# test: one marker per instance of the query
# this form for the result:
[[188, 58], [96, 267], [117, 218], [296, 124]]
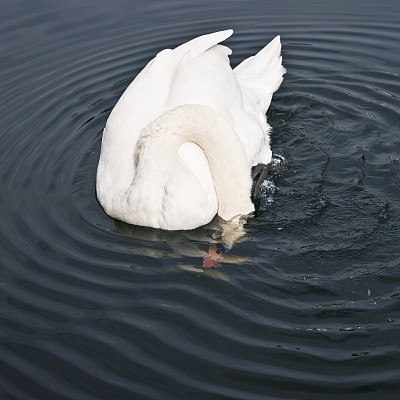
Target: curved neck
[[212, 132]]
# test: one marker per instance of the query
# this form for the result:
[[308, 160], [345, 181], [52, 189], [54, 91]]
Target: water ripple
[[308, 295]]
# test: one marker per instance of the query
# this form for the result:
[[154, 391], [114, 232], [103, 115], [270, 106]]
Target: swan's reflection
[[211, 244]]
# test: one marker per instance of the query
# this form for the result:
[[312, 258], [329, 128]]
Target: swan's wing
[[203, 75], [260, 76], [161, 85], [146, 97]]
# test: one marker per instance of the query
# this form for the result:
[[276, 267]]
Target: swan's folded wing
[[260, 76]]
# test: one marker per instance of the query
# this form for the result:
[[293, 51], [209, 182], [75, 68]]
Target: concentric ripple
[[301, 303]]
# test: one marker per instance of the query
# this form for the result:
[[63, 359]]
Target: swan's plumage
[[197, 72]]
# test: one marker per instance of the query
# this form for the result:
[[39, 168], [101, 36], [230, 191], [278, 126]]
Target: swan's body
[[179, 145]]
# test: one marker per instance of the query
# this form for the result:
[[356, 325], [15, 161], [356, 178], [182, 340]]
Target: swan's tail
[[260, 76]]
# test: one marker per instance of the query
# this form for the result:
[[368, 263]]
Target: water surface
[[305, 305]]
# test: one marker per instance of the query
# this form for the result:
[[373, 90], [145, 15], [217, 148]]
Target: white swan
[[179, 145]]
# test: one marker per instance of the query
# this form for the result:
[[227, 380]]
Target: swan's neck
[[207, 128]]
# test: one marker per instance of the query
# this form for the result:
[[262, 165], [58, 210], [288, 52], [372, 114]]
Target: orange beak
[[215, 254]]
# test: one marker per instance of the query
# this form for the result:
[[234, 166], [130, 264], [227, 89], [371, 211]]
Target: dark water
[[306, 305]]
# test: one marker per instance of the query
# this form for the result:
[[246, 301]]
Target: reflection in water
[[212, 244]]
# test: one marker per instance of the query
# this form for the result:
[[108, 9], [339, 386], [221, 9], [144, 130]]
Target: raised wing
[[260, 76]]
